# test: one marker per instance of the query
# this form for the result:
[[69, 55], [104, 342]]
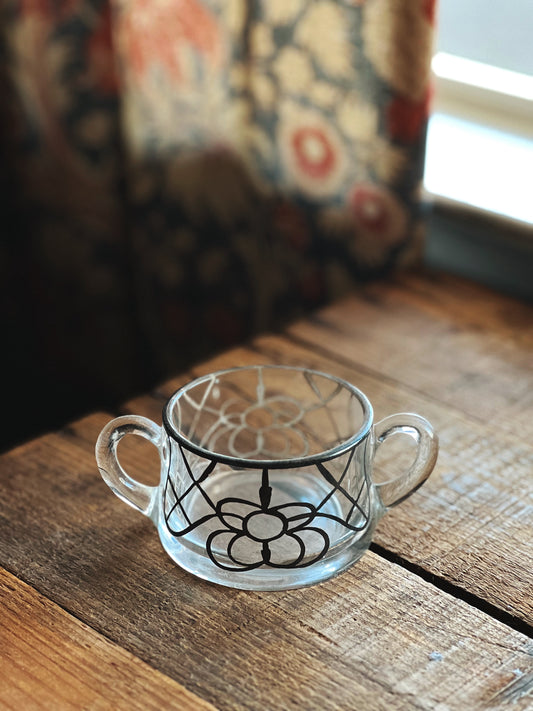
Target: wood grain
[[446, 338], [50, 660], [377, 637]]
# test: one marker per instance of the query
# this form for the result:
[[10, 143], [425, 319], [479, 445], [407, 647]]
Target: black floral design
[[261, 534], [259, 521], [256, 533]]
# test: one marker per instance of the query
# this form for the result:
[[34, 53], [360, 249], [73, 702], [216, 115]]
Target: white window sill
[[479, 153]]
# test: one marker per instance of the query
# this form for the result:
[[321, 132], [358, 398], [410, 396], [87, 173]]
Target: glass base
[[286, 535]]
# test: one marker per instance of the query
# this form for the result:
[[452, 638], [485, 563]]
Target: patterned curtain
[[184, 173]]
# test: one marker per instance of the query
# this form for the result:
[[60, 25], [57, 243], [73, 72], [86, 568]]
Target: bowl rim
[[249, 463]]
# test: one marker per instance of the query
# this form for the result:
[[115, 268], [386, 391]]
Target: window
[[480, 138], [497, 33]]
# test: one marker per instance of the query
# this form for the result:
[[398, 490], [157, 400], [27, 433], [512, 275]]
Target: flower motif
[[378, 214], [372, 224], [163, 34], [260, 431], [257, 534], [312, 151]]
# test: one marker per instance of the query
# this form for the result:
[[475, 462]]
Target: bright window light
[[484, 76], [480, 166]]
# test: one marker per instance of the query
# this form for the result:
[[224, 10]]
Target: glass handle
[[396, 490], [140, 496]]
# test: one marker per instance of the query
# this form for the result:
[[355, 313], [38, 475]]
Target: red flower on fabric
[[378, 214], [312, 150], [154, 33], [406, 118], [369, 209], [314, 153]]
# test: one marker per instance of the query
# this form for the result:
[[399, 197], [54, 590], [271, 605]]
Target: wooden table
[[437, 615]]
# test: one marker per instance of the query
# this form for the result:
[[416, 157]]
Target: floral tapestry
[[191, 172]]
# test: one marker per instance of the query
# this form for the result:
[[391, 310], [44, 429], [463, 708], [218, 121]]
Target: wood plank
[[462, 344], [471, 524], [50, 660], [467, 303], [377, 637]]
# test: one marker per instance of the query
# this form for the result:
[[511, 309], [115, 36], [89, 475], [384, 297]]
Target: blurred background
[[177, 175]]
